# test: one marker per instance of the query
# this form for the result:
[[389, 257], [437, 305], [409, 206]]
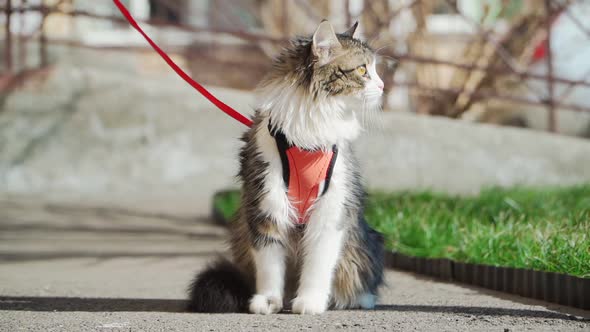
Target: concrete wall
[[108, 128], [410, 152]]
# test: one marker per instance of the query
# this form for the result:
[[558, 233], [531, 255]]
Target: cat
[[299, 241]]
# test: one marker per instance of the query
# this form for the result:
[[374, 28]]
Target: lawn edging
[[546, 286], [551, 287]]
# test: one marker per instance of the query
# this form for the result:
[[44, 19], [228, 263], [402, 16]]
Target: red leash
[[221, 105]]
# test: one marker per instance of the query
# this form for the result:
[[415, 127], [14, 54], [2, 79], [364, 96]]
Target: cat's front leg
[[319, 262], [322, 243], [269, 225], [269, 260]]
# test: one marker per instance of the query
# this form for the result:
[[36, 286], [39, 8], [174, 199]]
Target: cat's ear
[[350, 32], [325, 44]]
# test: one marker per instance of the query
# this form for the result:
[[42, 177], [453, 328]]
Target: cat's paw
[[310, 304], [262, 304]]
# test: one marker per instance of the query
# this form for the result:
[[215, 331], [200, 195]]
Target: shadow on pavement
[[35, 256], [18, 303], [479, 311], [117, 230], [107, 212], [22, 303]]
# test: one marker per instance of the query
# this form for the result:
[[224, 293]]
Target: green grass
[[227, 203], [542, 229]]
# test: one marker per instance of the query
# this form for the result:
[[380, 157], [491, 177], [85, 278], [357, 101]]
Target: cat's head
[[328, 65], [317, 84], [343, 65]]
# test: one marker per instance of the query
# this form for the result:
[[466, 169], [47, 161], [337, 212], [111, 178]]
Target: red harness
[[306, 173]]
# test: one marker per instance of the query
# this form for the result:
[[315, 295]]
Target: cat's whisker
[[393, 61], [364, 111], [376, 37], [382, 47]]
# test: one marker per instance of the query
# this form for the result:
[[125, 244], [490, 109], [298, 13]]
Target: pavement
[[71, 266]]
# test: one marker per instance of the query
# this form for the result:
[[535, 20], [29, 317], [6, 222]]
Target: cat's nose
[[380, 85]]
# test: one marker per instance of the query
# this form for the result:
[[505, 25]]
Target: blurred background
[[109, 161], [89, 111]]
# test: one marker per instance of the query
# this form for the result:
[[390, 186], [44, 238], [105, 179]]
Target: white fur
[[307, 123], [375, 83], [373, 87], [270, 279], [265, 305]]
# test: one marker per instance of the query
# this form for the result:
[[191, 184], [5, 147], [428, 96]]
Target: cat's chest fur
[[278, 200]]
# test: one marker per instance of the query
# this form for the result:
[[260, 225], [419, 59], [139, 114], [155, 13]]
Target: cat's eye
[[362, 70]]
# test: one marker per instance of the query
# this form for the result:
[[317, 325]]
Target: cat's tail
[[221, 287]]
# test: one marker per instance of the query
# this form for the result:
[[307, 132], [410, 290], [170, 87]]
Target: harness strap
[[221, 105]]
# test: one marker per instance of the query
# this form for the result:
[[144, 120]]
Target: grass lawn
[[542, 229]]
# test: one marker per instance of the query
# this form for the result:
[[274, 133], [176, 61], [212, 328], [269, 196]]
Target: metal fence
[[489, 57]]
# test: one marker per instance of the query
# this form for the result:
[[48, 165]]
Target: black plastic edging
[[546, 286]]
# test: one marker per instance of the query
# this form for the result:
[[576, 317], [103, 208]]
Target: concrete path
[[73, 267]]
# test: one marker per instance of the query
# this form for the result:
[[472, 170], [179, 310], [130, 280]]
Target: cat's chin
[[362, 102], [365, 109]]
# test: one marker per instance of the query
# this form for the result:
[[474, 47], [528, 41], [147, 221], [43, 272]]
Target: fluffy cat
[[325, 256]]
